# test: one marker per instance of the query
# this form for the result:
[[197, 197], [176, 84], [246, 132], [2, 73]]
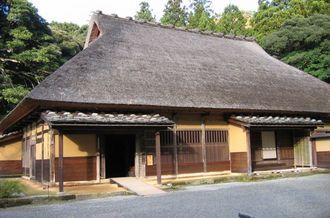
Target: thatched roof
[[136, 63], [142, 65]]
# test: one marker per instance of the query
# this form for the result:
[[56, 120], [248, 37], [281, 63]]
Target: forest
[[296, 32]]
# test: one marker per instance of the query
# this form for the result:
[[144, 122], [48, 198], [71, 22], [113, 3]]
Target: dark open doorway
[[120, 155]]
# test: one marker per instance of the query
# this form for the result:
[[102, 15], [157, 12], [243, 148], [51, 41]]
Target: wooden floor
[[137, 186]]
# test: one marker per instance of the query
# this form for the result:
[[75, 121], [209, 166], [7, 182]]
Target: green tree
[[201, 15], [144, 13], [272, 14], [232, 21], [304, 43], [174, 13], [30, 50], [69, 37]]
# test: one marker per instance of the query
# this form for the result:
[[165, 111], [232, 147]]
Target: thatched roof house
[[142, 64], [211, 91]]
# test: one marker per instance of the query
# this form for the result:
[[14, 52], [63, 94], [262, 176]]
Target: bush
[[10, 188]]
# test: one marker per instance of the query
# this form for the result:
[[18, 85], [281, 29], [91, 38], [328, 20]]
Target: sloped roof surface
[[141, 64]]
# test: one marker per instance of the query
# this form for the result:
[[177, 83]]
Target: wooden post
[[248, 142], [60, 162], [30, 152], [203, 144], [42, 153], [158, 159], [175, 147], [314, 154], [98, 164], [52, 156]]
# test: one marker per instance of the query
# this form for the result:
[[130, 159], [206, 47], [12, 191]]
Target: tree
[[272, 14], [201, 15], [304, 43], [144, 13], [232, 21], [29, 51], [69, 37], [174, 13]]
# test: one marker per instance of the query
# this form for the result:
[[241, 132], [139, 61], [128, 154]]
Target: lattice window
[[216, 136]]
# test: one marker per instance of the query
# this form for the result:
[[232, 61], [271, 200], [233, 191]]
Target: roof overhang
[[10, 136], [275, 121], [80, 119]]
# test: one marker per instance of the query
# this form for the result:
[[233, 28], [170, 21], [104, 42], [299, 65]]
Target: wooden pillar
[[203, 144], [98, 160], [175, 147], [60, 162], [137, 159], [314, 154], [30, 151], [158, 159], [42, 153], [52, 156], [248, 143]]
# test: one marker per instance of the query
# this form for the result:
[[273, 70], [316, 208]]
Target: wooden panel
[[46, 169], [216, 153], [238, 162], [272, 165], [77, 168], [190, 167], [38, 170], [10, 167], [286, 153], [45, 173], [218, 166], [323, 159], [167, 169]]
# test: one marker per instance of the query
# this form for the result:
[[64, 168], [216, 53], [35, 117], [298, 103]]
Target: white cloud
[[79, 11]]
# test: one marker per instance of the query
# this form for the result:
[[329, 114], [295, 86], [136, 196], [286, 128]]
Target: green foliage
[[144, 13], [201, 15], [69, 37], [272, 14], [10, 188], [174, 13], [304, 43], [232, 21], [30, 49]]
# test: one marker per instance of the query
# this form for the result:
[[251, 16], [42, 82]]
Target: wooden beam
[[158, 159], [203, 144], [314, 153], [52, 157], [98, 165], [175, 147], [60, 162], [42, 154], [248, 142]]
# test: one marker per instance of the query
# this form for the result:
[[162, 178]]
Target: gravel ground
[[292, 197]]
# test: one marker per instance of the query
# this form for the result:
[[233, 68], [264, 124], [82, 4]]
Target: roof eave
[[24, 108]]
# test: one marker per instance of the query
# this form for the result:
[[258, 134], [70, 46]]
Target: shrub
[[9, 188]]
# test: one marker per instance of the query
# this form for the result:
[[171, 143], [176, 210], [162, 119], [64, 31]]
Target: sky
[[79, 11]]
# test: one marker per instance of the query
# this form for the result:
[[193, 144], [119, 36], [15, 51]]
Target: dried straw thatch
[[137, 63]]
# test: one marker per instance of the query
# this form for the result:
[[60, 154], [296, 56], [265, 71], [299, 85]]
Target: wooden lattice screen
[[189, 151]]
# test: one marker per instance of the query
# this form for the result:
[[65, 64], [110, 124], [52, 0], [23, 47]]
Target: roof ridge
[[184, 29]]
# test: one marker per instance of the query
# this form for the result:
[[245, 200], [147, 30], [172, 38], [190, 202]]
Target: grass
[[177, 185], [10, 188], [18, 187]]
